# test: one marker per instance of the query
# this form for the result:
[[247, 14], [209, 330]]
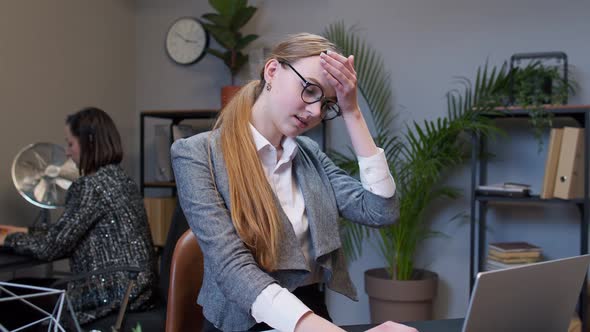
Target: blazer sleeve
[[354, 202], [59, 239], [230, 263]]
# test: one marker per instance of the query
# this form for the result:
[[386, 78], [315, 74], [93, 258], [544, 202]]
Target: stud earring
[[268, 87]]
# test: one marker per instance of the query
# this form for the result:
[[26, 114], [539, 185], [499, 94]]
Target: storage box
[[159, 213]]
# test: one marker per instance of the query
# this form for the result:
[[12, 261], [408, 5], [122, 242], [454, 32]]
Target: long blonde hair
[[254, 211]]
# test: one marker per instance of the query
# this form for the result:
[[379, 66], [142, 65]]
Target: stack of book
[[503, 255]]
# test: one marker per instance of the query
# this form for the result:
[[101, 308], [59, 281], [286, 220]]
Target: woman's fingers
[[340, 74], [12, 229], [336, 80], [339, 67], [333, 81], [345, 80], [342, 59]]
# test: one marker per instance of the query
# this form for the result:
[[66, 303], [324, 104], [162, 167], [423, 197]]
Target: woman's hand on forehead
[[341, 75]]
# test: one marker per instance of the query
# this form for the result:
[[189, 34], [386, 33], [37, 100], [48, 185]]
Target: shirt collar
[[262, 144]]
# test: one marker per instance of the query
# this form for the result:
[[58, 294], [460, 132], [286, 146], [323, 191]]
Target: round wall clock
[[186, 41]]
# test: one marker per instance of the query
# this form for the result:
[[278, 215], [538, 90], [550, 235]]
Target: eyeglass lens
[[312, 93], [330, 110]]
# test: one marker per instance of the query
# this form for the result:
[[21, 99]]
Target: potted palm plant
[[418, 158], [225, 26]]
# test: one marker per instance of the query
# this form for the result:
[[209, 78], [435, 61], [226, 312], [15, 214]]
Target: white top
[[275, 305]]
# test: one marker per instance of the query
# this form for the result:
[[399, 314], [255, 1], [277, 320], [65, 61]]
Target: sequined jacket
[[104, 225]]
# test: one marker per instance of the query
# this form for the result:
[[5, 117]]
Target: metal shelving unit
[[481, 203]]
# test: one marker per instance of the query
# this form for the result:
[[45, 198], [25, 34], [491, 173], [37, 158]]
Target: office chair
[[186, 277]]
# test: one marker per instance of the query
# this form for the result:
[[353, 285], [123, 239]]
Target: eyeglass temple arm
[[295, 71]]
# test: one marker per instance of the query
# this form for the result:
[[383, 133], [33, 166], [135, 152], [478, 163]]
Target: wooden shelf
[[160, 184], [535, 199], [557, 109], [181, 114]]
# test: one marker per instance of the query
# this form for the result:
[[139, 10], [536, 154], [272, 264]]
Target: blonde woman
[[264, 202]]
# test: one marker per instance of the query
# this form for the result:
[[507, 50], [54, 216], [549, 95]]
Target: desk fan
[[42, 174]]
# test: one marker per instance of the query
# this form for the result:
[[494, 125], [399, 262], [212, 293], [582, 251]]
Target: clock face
[[186, 41]]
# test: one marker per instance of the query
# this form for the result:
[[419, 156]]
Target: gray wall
[[55, 58], [425, 44]]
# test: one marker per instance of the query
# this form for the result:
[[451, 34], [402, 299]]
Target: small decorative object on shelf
[[509, 189], [537, 79]]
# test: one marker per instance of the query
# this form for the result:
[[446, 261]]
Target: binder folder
[[554, 148], [569, 181]]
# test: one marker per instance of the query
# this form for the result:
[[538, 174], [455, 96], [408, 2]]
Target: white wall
[[425, 44]]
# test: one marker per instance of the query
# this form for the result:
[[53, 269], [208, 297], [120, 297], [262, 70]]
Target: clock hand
[[181, 36], [185, 39]]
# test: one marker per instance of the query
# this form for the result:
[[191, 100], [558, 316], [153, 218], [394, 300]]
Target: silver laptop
[[536, 297]]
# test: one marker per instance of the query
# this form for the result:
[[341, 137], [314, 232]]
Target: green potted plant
[[225, 26], [535, 85], [418, 158]]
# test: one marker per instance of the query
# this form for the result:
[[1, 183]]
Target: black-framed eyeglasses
[[313, 93]]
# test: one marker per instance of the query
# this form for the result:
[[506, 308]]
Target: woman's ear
[[270, 69]]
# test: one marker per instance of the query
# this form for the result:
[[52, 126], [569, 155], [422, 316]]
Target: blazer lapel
[[320, 205]]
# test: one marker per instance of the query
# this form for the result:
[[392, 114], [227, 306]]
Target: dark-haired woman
[[103, 229]]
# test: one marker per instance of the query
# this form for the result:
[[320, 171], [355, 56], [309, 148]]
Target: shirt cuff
[[375, 175], [278, 308]]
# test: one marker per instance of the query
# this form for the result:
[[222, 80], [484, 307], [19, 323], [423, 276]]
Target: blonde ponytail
[[253, 209]]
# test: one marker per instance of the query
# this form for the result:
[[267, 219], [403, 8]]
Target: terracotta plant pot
[[400, 300], [227, 92]]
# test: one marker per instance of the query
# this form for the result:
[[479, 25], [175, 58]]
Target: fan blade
[[40, 190], [63, 183], [68, 170], [40, 160], [29, 182], [30, 167]]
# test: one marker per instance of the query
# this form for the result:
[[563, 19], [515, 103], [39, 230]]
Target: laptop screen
[[534, 297]]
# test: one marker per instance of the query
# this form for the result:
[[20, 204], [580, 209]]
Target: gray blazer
[[232, 279]]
